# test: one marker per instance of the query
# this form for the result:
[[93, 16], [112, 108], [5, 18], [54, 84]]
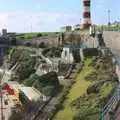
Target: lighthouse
[[86, 14]]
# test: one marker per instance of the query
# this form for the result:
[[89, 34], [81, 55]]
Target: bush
[[92, 76], [27, 44], [42, 45], [25, 65], [52, 51], [22, 37], [30, 81], [39, 34], [95, 88], [48, 90], [92, 89]]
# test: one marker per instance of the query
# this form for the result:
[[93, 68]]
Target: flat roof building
[[31, 93]]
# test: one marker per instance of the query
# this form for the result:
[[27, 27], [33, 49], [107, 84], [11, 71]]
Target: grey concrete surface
[[112, 39]]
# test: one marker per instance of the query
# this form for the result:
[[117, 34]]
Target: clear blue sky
[[49, 15]]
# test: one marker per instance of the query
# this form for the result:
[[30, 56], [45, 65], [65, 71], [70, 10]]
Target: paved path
[[112, 39]]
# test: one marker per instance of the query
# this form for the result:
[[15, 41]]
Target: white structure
[[77, 27], [33, 94], [67, 56], [66, 29], [81, 54]]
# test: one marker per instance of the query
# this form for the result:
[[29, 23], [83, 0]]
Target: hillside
[[35, 35], [91, 89]]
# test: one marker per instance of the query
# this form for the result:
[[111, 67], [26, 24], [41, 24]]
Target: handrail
[[112, 102]]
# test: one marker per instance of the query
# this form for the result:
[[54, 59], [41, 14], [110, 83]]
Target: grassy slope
[[34, 34], [78, 89]]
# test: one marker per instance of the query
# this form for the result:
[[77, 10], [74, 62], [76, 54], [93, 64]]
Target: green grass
[[106, 89], [77, 90], [34, 35]]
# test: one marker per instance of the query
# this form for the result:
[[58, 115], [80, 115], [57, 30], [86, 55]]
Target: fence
[[111, 104], [108, 28], [108, 110]]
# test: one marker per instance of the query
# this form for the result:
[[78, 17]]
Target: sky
[[50, 15]]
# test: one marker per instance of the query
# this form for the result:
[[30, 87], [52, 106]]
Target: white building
[[31, 94], [77, 27], [67, 56], [66, 29]]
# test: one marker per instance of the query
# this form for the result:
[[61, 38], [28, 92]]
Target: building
[[4, 32], [10, 101], [30, 94], [77, 27], [66, 29], [11, 34], [86, 14], [67, 56]]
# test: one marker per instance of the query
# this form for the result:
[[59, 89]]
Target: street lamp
[[109, 17]]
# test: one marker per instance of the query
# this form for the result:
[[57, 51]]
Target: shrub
[[92, 76], [94, 88], [42, 45], [27, 44], [52, 51], [39, 34]]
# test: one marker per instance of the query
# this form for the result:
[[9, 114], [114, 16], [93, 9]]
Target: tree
[[30, 81], [42, 45], [39, 34], [48, 90]]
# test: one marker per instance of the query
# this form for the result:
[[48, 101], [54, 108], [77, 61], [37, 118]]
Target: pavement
[[112, 39]]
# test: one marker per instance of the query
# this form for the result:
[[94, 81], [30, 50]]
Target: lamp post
[[109, 23]]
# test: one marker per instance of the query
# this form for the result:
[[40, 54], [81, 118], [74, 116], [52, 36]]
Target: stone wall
[[50, 40]]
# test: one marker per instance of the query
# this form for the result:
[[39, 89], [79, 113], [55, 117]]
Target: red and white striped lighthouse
[[86, 14]]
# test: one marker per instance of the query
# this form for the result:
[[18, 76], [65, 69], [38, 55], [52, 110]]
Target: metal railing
[[111, 104]]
